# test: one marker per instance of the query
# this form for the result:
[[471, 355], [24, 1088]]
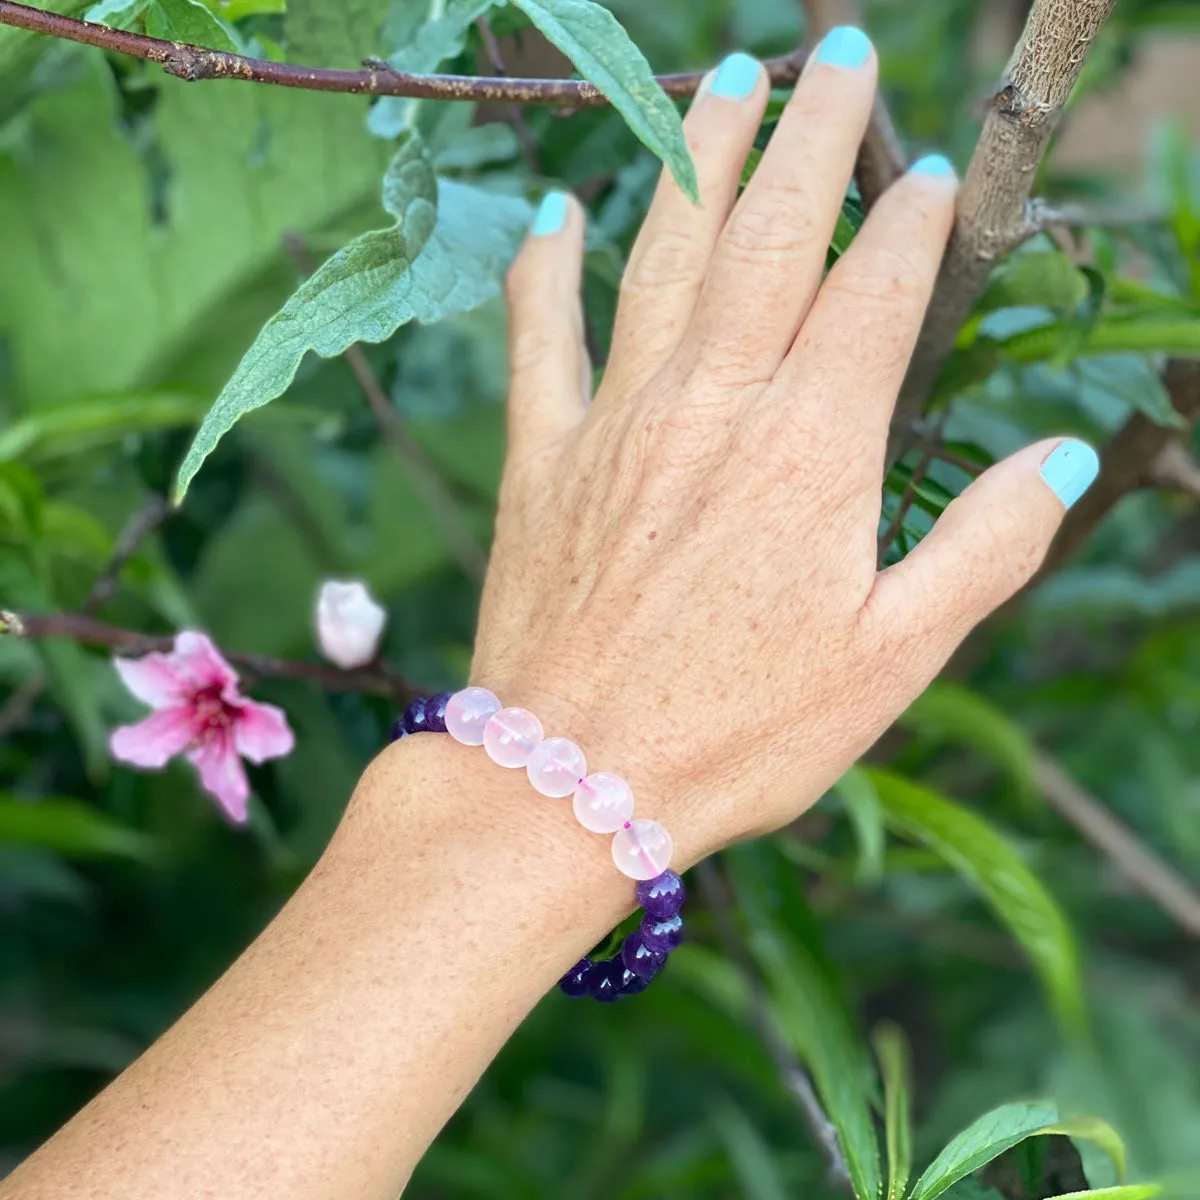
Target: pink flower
[[199, 711]]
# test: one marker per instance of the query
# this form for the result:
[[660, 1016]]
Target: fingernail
[[736, 77], [1070, 469], [844, 46], [552, 215], [933, 164]]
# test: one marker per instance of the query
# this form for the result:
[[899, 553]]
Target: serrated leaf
[[891, 1049], [71, 828], [951, 712], [191, 22], [593, 39], [1040, 278], [990, 1136], [446, 254], [987, 860]]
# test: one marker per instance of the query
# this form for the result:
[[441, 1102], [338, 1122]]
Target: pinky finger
[[548, 393]]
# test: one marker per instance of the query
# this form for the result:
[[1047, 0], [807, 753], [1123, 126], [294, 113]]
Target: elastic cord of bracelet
[[603, 803]]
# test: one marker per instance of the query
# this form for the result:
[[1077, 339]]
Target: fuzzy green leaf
[[987, 860], [593, 39], [188, 21], [446, 254]]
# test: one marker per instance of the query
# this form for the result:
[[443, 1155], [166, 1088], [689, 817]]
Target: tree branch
[[1139, 864], [1176, 470], [376, 679], [992, 203], [796, 1080], [194, 63]]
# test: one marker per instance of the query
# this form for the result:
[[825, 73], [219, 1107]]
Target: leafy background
[[933, 938]]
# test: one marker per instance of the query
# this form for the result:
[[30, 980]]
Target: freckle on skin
[[652, 535]]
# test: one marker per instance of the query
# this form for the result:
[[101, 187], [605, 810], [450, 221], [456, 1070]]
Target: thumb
[[984, 548]]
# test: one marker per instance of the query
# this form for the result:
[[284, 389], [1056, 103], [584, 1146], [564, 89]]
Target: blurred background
[[1011, 881]]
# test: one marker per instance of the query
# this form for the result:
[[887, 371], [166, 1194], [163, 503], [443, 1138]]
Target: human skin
[[683, 581]]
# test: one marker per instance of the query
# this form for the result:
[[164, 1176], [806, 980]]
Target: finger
[[770, 256], [670, 258], [865, 320], [987, 544], [547, 355]]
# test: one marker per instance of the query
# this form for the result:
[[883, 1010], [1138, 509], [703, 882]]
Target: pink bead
[[467, 712], [603, 802], [642, 849], [556, 767], [511, 735]]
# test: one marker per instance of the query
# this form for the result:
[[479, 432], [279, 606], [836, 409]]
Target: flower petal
[[162, 735], [222, 774], [153, 679], [261, 731], [201, 663]]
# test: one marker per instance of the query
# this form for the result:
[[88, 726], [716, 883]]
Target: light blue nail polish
[[736, 77], [1070, 469], [933, 164], [844, 46], [552, 215]]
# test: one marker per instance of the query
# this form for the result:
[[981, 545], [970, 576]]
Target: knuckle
[[772, 228], [887, 277], [670, 259]]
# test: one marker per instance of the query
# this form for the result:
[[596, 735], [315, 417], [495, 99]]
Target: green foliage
[[154, 234]]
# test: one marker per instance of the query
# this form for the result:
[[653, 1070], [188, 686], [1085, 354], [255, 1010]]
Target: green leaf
[[189, 21], [424, 48], [117, 14], [857, 791], [987, 860], [994, 1133], [1166, 333], [951, 712], [1129, 1191], [593, 39], [70, 828], [1100, 1133], [1039, 278], [333, 33], [891, 1049], [753, 1162], [446, 253], [807, 1006]]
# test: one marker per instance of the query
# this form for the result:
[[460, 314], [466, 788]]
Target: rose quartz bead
[[467, 712], [642, 849], [511, 735], [603, 802], [556, 767]]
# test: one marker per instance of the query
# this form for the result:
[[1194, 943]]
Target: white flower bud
[[349, 623]]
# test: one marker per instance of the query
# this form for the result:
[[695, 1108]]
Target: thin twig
[[376, 679], [1139, 864], [194, 63], [992, 202], [796, 1079], [423, 473], [513, 113], [929, 453], [1175, 468], [141, 524]]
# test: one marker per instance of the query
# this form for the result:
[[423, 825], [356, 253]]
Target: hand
[[684, 572]]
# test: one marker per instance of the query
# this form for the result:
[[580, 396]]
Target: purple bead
[[632, 983], [397, 731], [639, 958], [435, 712], [414, 716], [662, 936], [577, 981], [662, 896], [605, 978]]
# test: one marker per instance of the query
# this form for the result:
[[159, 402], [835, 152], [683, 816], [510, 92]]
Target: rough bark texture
[[992, 216]]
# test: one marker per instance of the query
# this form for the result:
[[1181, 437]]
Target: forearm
[[329, 1056]]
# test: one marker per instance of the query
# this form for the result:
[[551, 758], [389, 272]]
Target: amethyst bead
[[632, 983], [414, 719], [662, 936], [577, 981], [606, 978], [662, 896], [435, 712], [639, 958], [397, 731]]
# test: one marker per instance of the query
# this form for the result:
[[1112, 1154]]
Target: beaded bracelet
[[603, 803]]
